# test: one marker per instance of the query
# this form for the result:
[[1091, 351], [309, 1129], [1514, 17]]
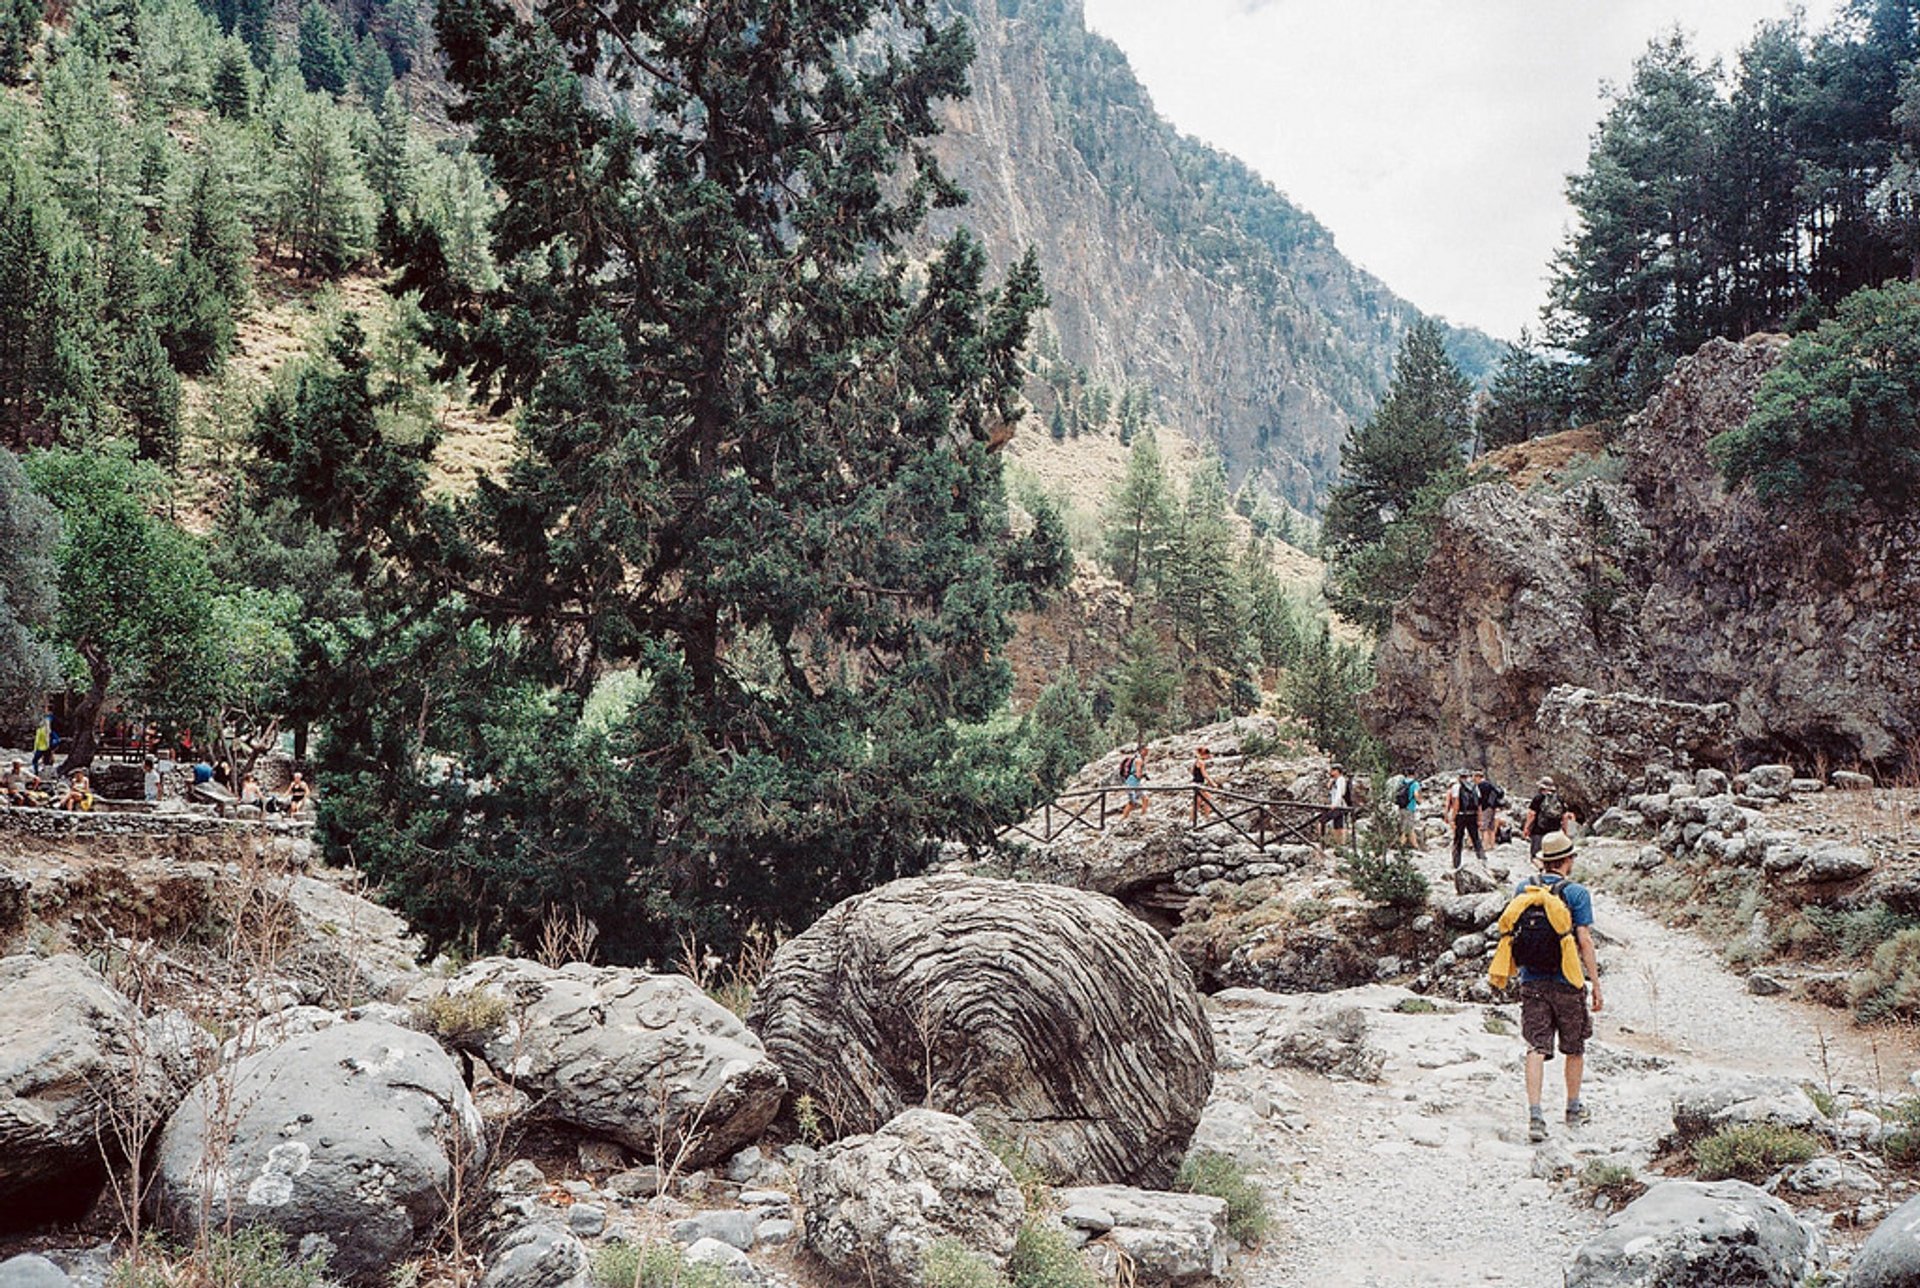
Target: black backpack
[[1492, 796], [1536, 944], [1403, 794], [1126, 768], [1552, 810]]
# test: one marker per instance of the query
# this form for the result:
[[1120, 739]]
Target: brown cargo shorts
[[1549, 1008]]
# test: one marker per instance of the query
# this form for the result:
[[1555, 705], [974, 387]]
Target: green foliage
[[1855, 933], [49, 379], [1139, 515], [1324, 688], [148, 390], [463, 1019], [1383, 876], [650, 1265], [1043, 1257], [326, 57], [1143, 685], [1617, 1181], [1752, 1151], [1225, 1177], [29, 596], [230, 88], [1833, 425], [1395, 473], [255, 1258], [1416, 1006], [322, 209], [1496, 1025], [1531, 395], [948, 1264], [1889, 987], [19, 32]]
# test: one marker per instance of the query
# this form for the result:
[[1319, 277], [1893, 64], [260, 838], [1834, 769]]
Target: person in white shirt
[[1339, 804]]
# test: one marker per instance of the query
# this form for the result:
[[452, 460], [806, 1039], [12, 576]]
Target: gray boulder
[[78, 1066], [648, 1061], [1769, 778], [538, 1256], [1471, 878], [1847, 780], [1740, 1101], [30, 1270], [1890, 1258], [1165, 1238], [350, 1141], [1045, 1015], [875, 1204], [1334, 1045], [1833, 861], [1691, 1234]]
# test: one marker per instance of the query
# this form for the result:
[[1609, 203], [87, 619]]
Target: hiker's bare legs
[[1536, 1076], [1576, 1065]]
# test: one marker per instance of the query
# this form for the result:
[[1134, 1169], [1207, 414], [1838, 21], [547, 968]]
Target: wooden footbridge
[[1257, 819]]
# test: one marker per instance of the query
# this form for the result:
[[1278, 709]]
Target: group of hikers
[[40, 787], [1546, 928]]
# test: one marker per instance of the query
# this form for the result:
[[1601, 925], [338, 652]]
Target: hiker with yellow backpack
[[1546, 938]]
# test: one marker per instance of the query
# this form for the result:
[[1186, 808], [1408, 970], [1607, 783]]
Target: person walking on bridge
[[1133, 772], [1202, 803]]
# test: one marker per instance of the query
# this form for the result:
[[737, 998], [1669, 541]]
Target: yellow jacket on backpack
[[1559, 916]]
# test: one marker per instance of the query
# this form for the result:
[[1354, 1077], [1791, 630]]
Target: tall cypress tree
[[19, 30], [1138, 515], [756, 469], [48, 363]]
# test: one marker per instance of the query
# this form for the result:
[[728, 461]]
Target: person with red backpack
[[1546, 937]]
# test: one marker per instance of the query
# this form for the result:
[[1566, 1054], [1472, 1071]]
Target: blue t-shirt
[[1579, 901], [1413, 794]]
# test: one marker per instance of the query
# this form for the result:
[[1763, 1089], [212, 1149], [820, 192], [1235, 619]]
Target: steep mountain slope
[[1169, 264]]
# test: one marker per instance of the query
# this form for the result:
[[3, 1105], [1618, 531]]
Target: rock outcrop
[[1160, 1238], [351, 1141], [1045, 1015], [875, 1204], [1666, 586], [1692, 1234], [1890, 1258], [78, 1071], [648, 1061]]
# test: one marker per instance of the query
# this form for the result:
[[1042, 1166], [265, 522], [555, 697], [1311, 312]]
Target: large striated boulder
[[1890, 1258], [1045, 1015], [351, 1141], [648, 1061], [875, 1204], [1598, 745], [1692, 1234], [79, 1070], [1686, 592]]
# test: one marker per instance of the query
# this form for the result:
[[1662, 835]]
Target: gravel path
[[1426, 1177]]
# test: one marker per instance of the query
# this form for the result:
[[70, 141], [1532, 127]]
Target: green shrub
[[948, 1264], [1496, 1024], [1308, 911], [1385, 878], [1822, 1098], [1416, 1006], [1615, 1180], [652, 1265], [1890, 986], [254, 1258], [1224, 1177], [462, 1019], [1751, 1151], [1044, 1258], [1857, 932], [1035, 1185]]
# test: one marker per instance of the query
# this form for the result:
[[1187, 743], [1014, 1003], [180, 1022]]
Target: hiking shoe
[[1577, 1116], [1536, 1130]]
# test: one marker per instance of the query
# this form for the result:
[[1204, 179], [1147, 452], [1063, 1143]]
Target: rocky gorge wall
[[1666, 586]]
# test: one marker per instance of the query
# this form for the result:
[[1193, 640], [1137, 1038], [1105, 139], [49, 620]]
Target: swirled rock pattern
[[1046, 1015]]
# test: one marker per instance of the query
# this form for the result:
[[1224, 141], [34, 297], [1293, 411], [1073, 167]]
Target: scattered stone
[[1890, 1258], [636, 1182], [748, 1165], [1826, 1174], [345, 1140], [1691, 1234], [1835, 862], [30, 1270], [1778, 1101], [1050, 1015], [1761, 984], [729, 1227], [1167, 1238], [1806, 786], [1847, 781], [876, 1203], [1552, 1161], [586, 1219], [774, 1232], [1769, 778], [766, 1199], [636, 1058], [721, 1256], [1472, 878], [537, 1256], [601, 1157], [1334, 1045]]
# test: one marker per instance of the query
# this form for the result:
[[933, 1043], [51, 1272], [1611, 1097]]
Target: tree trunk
[[86, 715]]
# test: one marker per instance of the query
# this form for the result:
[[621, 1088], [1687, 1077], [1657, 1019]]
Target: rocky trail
[[1425, 1177]]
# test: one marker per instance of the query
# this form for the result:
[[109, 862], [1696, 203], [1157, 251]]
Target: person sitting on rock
[[79, 794], [1546, 933], [19, 786], [1463, 817], [249, 790]]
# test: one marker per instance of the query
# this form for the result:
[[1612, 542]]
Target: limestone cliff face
[[1168, 264], [1667, 586]]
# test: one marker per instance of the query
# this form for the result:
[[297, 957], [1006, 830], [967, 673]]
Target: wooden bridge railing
[[1257, 819]]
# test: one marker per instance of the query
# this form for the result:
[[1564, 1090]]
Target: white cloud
[[1433, 137]]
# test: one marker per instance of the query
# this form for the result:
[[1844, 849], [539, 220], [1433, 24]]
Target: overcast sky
[[1433, 137]]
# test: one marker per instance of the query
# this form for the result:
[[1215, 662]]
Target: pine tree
[[1197, 583], [88, 161], [322, 208], [391, 172], [372, 72], [231, 88], [1531, 395], [1143, 684], [325, 57], [1057, 425], [1138, 515], [196, 320], [755, 469], [216, 235], [29, 596], [1375, 533], [148, 390], [48, 363], [19, 32]]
